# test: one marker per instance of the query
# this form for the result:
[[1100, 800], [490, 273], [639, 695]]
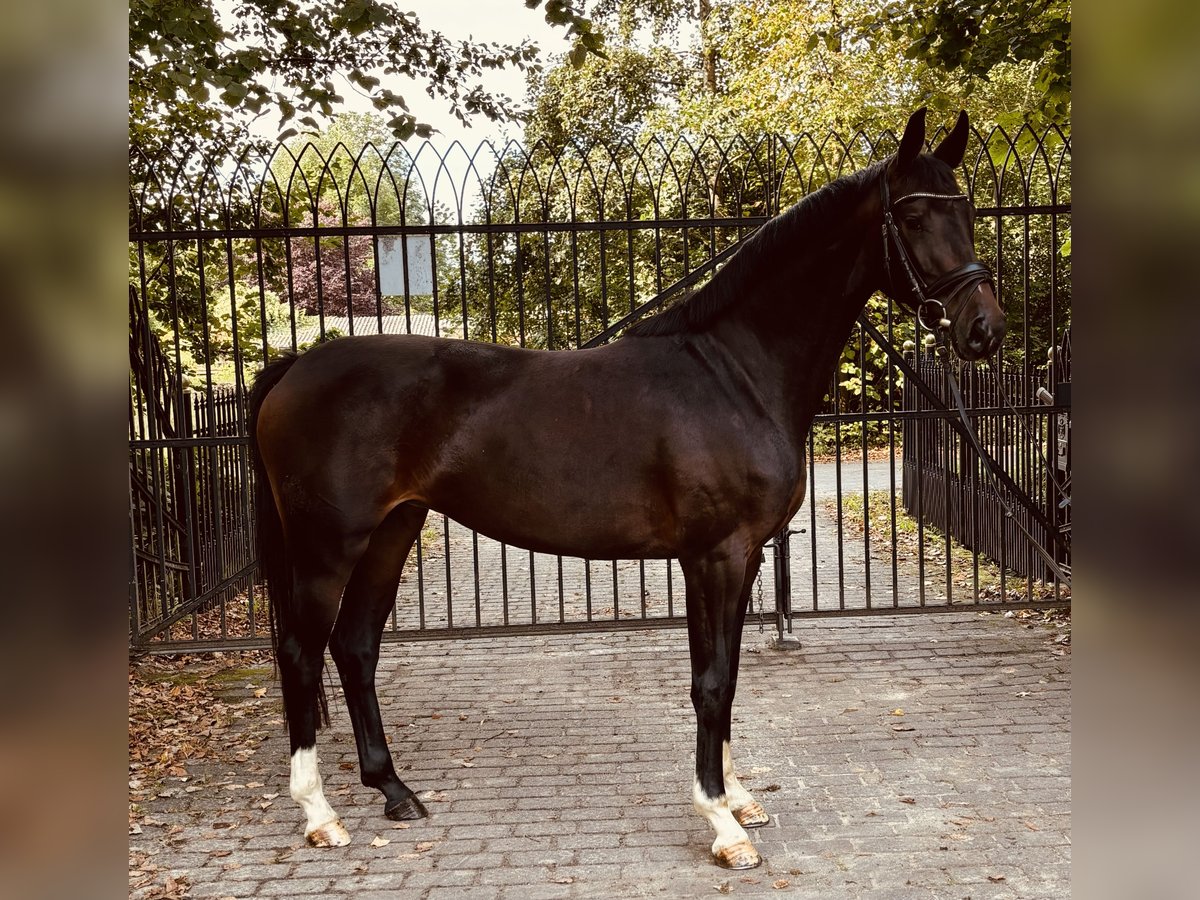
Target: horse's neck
[[791, 334]]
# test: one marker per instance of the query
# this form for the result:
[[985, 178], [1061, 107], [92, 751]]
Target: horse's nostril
[[986, 336], [978, 336]]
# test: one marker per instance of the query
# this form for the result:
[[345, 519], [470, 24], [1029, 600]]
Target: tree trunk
[[708, 52]]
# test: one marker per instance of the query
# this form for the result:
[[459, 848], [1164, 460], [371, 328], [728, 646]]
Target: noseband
[[931, 311]]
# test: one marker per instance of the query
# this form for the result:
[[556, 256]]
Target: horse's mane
[[792, 229]]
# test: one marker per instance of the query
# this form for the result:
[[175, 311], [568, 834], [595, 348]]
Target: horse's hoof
[[741, 855], [331, 834], [405, 810], [752, 815]]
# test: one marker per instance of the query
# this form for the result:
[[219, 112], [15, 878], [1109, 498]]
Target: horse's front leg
[[748, 812], [714, 592]]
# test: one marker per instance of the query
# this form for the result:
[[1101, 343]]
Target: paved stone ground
[[561, 766]]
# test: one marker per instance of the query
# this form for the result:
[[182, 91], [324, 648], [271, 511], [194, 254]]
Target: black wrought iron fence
[[234, 259], [945, 485]]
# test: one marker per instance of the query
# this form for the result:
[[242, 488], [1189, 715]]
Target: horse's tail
[[274, 560]]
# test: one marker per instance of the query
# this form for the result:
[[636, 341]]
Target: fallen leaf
[[908, 799], [425, 845], [1030, 826], [995, 878], [897, 712], [261, 692], [565, 879], [402, 825], [722, 888], [903, 728], [380, 842], [780, 884]]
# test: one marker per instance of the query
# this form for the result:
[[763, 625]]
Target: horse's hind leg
[[748, 812], [321, 565], [355, 648]]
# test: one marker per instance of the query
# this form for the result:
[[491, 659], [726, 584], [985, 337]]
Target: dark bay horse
[[684, 439]]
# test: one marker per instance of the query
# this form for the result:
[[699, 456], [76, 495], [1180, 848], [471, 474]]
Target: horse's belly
[[557, 517]]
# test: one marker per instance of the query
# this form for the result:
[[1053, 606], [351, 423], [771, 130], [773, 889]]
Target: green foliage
[[828, 438], [604, 100], [788, 66], [973, 41], [352, 169], [862, 371], [227, 340], [192, 64], [236, 320]]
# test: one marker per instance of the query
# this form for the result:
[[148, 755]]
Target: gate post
[[782, 545]]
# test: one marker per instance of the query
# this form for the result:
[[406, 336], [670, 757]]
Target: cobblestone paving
[[560, 766]]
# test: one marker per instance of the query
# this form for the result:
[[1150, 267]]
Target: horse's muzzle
[[984, 336]]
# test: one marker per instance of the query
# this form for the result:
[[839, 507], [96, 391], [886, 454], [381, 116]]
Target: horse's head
[[929, 261]]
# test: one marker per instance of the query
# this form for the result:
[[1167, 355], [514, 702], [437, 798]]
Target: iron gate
[[232, 260]]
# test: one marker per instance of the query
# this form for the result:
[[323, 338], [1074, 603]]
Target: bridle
[[931, 311]]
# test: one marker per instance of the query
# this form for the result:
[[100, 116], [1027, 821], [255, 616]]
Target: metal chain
[[758, 580]]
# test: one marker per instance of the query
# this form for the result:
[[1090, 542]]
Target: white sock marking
[[738, 795], [306, 790], [716, 811]]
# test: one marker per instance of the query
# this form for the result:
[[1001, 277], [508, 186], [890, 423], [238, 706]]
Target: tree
[[195, 75], [795, 66], [975, 40], [606, 100]]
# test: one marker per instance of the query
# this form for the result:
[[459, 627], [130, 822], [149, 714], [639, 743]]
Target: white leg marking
[[306, 790], [716, 811], [738, 795]]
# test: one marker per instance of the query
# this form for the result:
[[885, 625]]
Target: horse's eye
[[913, 223]]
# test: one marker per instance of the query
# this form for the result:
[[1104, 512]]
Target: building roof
[[281, 338]]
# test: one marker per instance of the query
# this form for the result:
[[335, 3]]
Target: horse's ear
[[913, 141], [950, 151]]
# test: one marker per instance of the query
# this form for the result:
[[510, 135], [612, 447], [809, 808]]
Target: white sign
[[394, 249]]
